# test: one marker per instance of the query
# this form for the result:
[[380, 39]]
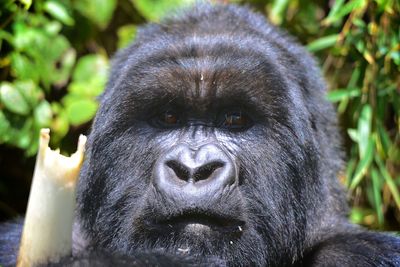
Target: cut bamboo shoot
[[47, 232]]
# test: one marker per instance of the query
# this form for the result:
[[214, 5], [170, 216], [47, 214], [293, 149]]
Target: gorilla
[[214, 145]]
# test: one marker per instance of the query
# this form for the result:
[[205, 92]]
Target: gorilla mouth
[[202, 220]]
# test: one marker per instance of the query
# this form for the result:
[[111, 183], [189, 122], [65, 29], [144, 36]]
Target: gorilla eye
[[236, 120], [170, 118], [167, 119]]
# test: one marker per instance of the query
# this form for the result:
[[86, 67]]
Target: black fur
[[286, 194], [10, 234]]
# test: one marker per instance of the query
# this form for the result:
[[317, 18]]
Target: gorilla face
[[208, 143]]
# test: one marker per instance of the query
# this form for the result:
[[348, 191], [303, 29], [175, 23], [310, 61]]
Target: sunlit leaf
[[30, 91], [89, 76], [376, 186], [43, 114], [357, 215], [81, 111], [23, 68], [383, 139], [364, 164], [364, 129], [27, 3], [53, 27], [336, 7], [88, 66], [67, 62], [98, 11], [13, 100], [60, 124], [58, 11], [126, 34], [389, 180], [323, 42], [278, 11], [353, 134], [340, 94], [154, 10], [340, 10], [21, 136]]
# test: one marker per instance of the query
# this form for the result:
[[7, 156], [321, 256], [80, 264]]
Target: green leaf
[[67, 62], [377, 186], [353, 134], [323, 42], [43, 114], [4, 127], [27, 3], [341, 94], [383, 139], [340, 10], [20, 135], [337, 5], [389, 181], [154, 10], [81, 111], [4, 35], [355, 76], [395, 55], [60, 124], [364, 129], [29, 90], [126, 34], [278, 11], [364, 164], [88, 66], [351, 165], [53, 27], [357, 215], [23, 68], [13, 100], [89, 76], [58, 11], [23, 36], [98, 11]]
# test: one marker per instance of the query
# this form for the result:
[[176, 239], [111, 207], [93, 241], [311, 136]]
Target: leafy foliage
[[55, 55]]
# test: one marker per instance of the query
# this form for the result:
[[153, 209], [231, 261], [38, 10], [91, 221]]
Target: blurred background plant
[[55, 55]]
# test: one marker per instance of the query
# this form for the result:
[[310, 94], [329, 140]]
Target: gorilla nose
[[195, 172]]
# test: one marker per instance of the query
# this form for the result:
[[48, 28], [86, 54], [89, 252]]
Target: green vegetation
[[55, 54]]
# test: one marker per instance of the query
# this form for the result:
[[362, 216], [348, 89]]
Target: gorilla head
[[213, 138]]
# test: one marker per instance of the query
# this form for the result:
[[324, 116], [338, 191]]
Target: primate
[[214, 145]]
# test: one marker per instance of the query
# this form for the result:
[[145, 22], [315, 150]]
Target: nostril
[[204, 172], [179, 169]]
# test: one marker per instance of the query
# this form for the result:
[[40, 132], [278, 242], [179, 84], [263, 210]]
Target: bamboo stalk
[[47, 232]]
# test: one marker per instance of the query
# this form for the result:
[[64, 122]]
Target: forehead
[[198, 70]]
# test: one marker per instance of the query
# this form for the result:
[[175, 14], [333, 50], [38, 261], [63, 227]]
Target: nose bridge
[[195, 157], [198, 135], [209, 152]]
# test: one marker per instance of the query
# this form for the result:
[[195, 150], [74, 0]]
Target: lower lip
[[196, 227]]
